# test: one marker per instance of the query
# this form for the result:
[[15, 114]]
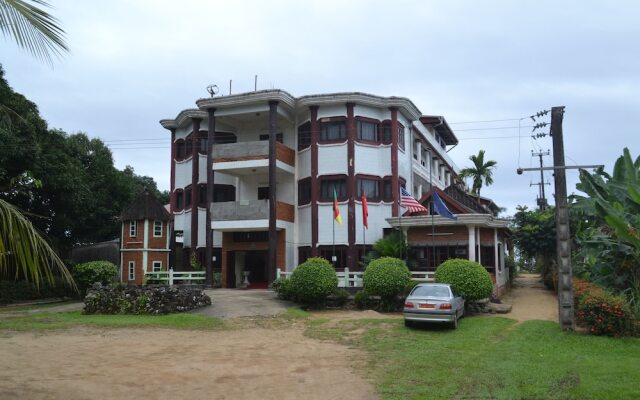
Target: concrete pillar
[[472, 242]]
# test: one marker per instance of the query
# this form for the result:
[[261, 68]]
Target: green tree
[[33, 29], [481, 173]]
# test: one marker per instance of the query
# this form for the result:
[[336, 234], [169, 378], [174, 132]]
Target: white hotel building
[[275, 160]]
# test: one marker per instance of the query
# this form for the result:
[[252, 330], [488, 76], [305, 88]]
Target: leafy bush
[[313, 281], [605, 314], [11, 291], [409, 287], [582, 288], [217, 280], [363, 301], [283, 288], [469, 277], [341, 297], [121, 299], [92, 272], [386, 277]]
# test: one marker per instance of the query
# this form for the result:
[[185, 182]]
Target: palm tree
[[32, 28], [22, 248], [481, 171]]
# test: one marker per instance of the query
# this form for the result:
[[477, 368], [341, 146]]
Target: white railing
[[354, 279], [171, 276]]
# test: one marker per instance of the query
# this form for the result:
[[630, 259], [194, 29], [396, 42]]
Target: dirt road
[[530, 300]]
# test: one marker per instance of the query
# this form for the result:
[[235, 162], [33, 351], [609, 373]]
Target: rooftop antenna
[[212, 89]]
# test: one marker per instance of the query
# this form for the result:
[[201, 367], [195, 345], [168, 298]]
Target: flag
[[407, 201], [441, 209], [365, 211], [336, 210]]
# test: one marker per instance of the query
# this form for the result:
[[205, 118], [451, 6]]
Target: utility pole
[[563, 237], [541, 200]]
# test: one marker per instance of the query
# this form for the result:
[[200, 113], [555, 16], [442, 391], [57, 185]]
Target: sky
[[132, 63]]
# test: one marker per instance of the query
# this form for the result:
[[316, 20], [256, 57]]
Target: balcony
[[250, 210], [249, 157]]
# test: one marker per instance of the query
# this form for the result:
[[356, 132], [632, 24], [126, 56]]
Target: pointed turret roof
[[145, 206]]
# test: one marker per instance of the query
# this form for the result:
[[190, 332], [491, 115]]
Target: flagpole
[[333, 226], [400, 222]]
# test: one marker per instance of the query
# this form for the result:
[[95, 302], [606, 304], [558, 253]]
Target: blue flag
[[440, 208]]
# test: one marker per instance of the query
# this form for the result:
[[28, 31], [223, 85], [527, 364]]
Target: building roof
[[441, 126], [145, 206]]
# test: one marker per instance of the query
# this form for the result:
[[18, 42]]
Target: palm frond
[[32, 28], [23, 248]]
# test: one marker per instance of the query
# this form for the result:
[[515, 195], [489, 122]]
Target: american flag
[[407, 201]]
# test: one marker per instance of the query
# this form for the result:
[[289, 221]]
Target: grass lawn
[[489, 358], [64, 320]]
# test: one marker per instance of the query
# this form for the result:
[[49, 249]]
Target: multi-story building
[[275, 163]]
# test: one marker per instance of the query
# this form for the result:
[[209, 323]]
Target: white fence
[[354, 279], [172, 277]]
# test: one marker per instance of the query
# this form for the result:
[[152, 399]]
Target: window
[[328, 185], [387, 195], [202, 195], [224, 137], [133, 228], [266, 137], [157, 228], [187, 197], [223, 193], [304, 252], [179, 200], [179, 149], [304, 136], [203, 143], [386, 132], [340, 253], [157, 266], [401, 136], [304, 191], [367, 131], [189, 147], [132, 270], [370, 187], [263, 193], [333, 131], [247, 237]]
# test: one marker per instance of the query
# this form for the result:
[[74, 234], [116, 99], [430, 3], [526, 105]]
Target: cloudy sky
[[133, 63]]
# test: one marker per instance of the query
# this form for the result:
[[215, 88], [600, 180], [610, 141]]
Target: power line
[[488, 120]]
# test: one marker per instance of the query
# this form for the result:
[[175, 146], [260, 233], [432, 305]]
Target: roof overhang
[[441, 126], [483, 220]]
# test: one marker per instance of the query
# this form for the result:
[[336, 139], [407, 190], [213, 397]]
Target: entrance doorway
[[256, 263]]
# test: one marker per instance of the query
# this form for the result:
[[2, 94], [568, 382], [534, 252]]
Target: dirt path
[[169, 364], [530, 300]]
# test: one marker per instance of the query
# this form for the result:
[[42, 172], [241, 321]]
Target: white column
[[472, 242], [145, 246], [418, 150], [479, 242], [495, 250]]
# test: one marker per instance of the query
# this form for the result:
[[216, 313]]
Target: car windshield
[[431, 291]]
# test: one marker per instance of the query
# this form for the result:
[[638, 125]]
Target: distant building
[[145, 247], [276, 162]]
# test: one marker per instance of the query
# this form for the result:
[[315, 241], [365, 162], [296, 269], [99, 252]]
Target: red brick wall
[[133, 242], [158, 242]]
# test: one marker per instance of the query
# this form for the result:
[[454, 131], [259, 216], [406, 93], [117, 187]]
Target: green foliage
[[341, 297], [283, 288], [605, 314], [469, 277], [363, 301], [534, 234], [410, 287], [610, 240], [217, 280], [195, 264], [386, 277], [393, 245], [11, 291], [481, 171], [89, 273], [313, 281]]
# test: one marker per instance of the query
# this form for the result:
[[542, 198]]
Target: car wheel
[[408, 324], [454, 324]]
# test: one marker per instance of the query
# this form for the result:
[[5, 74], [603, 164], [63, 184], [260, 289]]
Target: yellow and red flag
[[365, 211], [336, 211]]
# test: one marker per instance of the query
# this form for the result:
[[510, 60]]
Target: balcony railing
[[250, 210], [257, 150]]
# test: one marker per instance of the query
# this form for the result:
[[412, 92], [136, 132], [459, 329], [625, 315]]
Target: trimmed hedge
[[283, 288], [313, 281], [87, 274], [469, 277], [386, 277], [121, 299]]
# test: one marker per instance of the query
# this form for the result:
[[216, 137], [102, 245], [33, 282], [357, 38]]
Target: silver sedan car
[[433, 302]]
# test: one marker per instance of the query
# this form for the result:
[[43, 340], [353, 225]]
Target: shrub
[[11, 291], [469, 277], [409, 287], [605, 314], [582, 288], [92, 272], [283, 288], [217, 280], [341, 297], [121, 299], [313, 281], [363, 301], [386, 277]]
